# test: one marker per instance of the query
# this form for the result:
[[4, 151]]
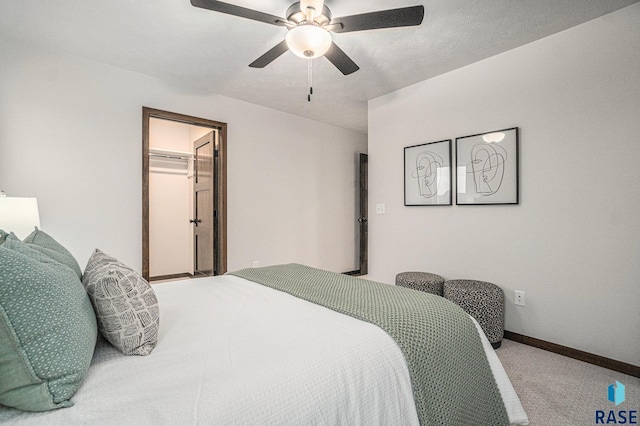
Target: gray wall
[[573, 243]]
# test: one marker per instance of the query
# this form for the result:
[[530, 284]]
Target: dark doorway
[[363, 196], [362, 220]]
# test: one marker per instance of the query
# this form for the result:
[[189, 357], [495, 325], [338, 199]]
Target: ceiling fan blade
[[243, 12], [404, 17], [341, 60], [273, 54]]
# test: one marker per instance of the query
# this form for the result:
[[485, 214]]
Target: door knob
[[195, 221], [362, 219]]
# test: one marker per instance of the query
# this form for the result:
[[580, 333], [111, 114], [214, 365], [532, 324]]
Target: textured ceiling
[[208, 52]]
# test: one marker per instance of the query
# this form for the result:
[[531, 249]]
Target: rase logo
[[615, 394]]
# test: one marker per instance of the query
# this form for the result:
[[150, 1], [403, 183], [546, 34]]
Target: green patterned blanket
[[451, 378]]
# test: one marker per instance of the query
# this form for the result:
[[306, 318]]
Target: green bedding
[[451, 378]]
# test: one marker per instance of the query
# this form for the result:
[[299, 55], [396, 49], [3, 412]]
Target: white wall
[[71, 131], [573, 243], [170, 250]]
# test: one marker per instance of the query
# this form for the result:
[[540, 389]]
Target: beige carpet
[[557, 390]]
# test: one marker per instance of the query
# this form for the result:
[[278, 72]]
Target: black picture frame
[[487, 169], [427, 174]]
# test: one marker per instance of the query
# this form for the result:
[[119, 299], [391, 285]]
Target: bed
[[234, 351]]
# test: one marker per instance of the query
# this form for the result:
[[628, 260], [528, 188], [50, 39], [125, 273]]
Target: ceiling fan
[[310, 23]]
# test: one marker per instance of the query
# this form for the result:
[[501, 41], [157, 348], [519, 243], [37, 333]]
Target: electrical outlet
[[256, 263], [380, 208], [519, 300]]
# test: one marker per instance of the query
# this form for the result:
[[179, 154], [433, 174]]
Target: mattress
[[234, 352]]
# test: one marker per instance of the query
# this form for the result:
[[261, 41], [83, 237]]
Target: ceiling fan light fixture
[[308, 41]]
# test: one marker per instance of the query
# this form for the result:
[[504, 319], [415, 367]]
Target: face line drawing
[[487, 167], [426, 173]]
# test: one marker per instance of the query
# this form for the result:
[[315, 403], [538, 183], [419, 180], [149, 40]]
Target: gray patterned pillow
[[125, 304]]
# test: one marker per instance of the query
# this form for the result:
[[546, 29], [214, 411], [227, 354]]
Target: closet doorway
[[183, 196]]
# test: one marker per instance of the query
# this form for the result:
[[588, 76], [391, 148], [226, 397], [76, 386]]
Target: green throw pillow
[[11, 241], [47, 330], [44, 243]]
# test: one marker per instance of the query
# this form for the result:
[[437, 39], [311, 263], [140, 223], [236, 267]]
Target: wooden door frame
[[220, 190]]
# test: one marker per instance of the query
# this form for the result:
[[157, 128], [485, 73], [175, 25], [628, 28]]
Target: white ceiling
[[208, 52]]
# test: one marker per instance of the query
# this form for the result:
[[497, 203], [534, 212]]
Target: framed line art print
[[487, 168], [427, 174]]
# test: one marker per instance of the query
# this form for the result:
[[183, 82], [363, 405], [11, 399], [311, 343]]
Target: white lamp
[[19, 215], [308, 41]]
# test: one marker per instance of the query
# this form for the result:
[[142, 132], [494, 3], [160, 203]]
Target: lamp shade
[[19, 215], [308, 41]]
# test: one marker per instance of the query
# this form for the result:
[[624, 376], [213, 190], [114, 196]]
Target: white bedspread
[[232, 352]]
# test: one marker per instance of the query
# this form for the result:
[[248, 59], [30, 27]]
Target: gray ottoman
[[423, 281], [483, 301]]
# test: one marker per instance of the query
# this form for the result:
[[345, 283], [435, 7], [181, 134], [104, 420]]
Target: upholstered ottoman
[[423, 281], [483, 301]]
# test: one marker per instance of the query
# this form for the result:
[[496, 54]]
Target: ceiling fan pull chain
[[309, 79]]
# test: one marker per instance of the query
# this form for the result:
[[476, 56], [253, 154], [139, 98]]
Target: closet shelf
[[167, 153]]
